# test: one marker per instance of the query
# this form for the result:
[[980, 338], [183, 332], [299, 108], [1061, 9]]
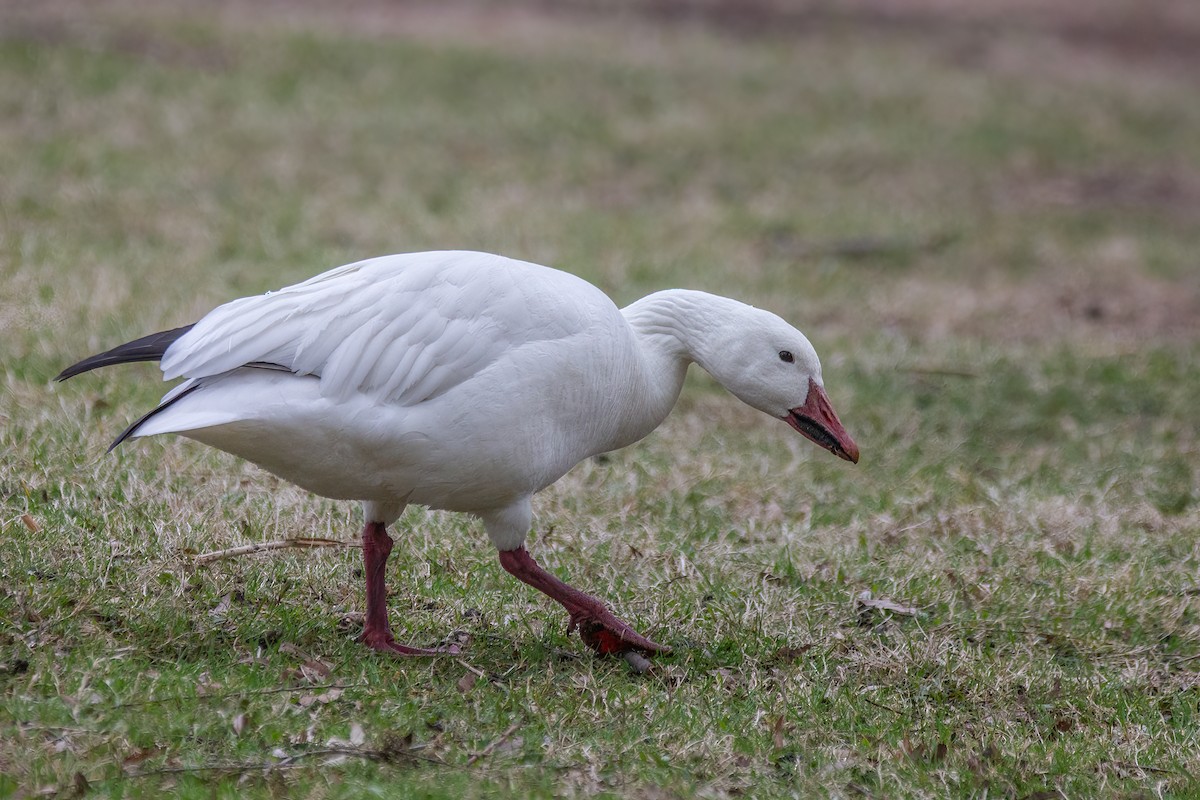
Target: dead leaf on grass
[[327, 697], [324, 698], [315, 671], [312, 669], [777, 730], [789, 654], [206, 686], [866, 601], [222, 608], [292, 650], [910, 750]]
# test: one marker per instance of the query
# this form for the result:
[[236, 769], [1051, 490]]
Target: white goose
[[467, 382]]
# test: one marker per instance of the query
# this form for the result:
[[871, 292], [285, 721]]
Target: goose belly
[[456, 455]]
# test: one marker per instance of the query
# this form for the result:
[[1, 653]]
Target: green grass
[[994, 251]]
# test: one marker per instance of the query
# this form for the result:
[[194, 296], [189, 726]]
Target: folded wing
[[401, 329]]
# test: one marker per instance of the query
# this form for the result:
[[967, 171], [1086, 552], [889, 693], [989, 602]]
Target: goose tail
[[147, 348]]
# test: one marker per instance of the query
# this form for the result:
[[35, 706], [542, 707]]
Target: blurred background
[[985, 214], [1015, 170]]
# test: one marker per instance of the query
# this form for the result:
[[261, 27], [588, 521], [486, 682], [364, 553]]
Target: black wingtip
[[147, 348], [137, 423]]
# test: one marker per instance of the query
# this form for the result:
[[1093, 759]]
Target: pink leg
[[377, 634], [598, 627]]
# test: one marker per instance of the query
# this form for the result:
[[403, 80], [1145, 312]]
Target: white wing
[[400, 329]]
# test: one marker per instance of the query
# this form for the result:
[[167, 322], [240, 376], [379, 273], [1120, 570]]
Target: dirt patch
[[1171, 193], [1102, 303], [53, 29], [1163, 30], [475, 23], [1155, 32]]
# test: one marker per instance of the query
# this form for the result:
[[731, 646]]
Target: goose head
[[771, 366]]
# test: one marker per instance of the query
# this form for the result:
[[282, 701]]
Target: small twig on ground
[[361, 752], [478, 672], [487, 751], [279, 544], [895, 711], [1144, 768]]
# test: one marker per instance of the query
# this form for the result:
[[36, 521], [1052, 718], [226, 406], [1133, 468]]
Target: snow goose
[[466, 382]]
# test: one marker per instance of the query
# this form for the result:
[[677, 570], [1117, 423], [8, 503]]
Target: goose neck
[[679, 325]]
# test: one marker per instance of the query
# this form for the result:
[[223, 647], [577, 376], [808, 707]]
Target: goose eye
[[786, 355]]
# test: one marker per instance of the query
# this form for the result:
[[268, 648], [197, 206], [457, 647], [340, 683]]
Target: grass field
[[986, 220]]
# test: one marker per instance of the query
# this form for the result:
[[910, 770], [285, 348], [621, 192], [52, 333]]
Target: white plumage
[[463, 381]]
